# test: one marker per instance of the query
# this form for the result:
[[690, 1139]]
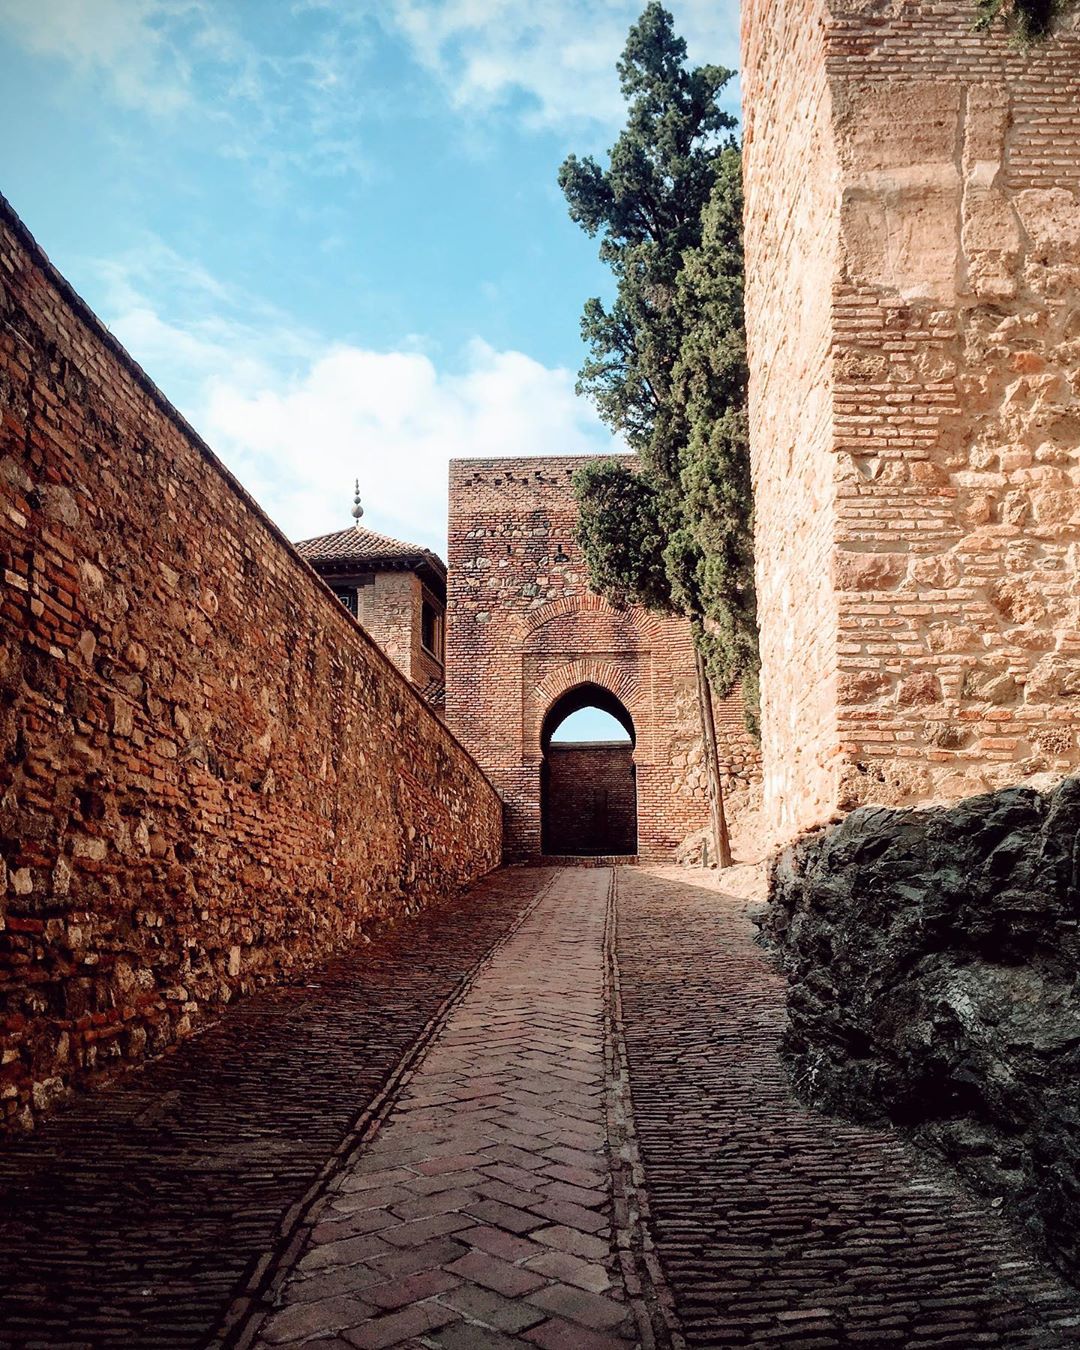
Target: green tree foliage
[[1029, 21], [622, 534], [646, 207], [710, 557], [667, 360]]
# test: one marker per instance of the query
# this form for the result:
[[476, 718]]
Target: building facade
[[397, 591], [529, 643]]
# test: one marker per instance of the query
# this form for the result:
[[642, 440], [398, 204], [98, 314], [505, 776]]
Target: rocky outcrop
[[934, 961]]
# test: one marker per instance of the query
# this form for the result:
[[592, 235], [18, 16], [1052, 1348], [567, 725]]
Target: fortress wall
[[923, 181], [209, 775], [791, 243], [523, 628]]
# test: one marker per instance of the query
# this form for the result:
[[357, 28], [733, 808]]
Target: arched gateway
[[527, 639], [588, 783]]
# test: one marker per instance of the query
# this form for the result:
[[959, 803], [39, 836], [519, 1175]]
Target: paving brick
[[576, 1195], [399, 1326], [427, 1206], [304, 1320], [419, 1231], [504, 1216], [348, 1252], [571, 1270], [579, 1305], [426, 1256], [484, 1305], [493, 1273], [469, 1336], [558, 1334], [396, 1293], [472, 1131], [500, 1243], [571, 1216], [564, 1239]]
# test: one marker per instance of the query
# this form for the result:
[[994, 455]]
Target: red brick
[[490, 1271]]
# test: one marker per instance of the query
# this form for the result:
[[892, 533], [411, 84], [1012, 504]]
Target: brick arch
[[647, 624], [613, 676], [610, 675]]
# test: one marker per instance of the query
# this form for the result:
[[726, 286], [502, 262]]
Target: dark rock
[[934, 966]]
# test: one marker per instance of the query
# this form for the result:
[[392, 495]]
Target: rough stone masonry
[[913, 264], [209, 774]]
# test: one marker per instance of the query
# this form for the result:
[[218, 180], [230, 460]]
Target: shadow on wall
[[933, 959]]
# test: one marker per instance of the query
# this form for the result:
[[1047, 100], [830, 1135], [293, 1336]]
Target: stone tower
[[913, 258]]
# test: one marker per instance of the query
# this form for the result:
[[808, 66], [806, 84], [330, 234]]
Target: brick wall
[[913, 252], [524, 629], [590, 800], [209, 774], [390, 610]]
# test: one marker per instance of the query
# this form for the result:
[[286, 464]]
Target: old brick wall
[[209, 774], [590, 799], [390, 610], [913, 254], [524, 629]]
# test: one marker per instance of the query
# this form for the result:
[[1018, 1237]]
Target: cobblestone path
[[480, 1216], [432, 1146], [777, 1226], [133, 1216]]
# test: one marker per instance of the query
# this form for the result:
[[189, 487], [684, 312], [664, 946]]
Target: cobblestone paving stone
[[474, 1209], [480, 1216], [133, 1215], [777, 1226]]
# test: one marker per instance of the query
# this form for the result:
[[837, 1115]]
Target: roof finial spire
[[358, 510]]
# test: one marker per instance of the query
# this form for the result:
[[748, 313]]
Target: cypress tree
[[667, 364]]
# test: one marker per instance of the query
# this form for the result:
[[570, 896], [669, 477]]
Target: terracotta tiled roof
[[435, 693], [357, 545]]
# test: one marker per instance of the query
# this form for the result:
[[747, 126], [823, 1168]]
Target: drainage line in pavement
[[647, 1289], [249, 1308]]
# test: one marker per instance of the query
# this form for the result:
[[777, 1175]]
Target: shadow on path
[[776, 1225], [130, 1218]]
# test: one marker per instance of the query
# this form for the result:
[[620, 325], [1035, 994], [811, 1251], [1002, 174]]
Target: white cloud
[[393, 420], [280, 111], [560, 54], [297, 419], [127, 44]]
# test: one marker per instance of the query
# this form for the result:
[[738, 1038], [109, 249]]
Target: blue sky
[[330, 229]]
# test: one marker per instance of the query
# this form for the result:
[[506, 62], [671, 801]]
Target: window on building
[[347, 596], [431, 629]]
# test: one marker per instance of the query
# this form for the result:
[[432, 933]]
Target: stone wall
[[933, 957], [913, 256], [209, 774], [590, 800], [524, 630], [791, 240]]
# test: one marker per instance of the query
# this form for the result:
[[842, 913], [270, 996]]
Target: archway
[[588, 787]]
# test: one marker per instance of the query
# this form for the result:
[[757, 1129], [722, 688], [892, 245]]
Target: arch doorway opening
[[588, 780]]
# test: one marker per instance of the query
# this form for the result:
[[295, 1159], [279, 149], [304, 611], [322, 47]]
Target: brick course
[[209, 774], [913, 190], [524, 629]]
